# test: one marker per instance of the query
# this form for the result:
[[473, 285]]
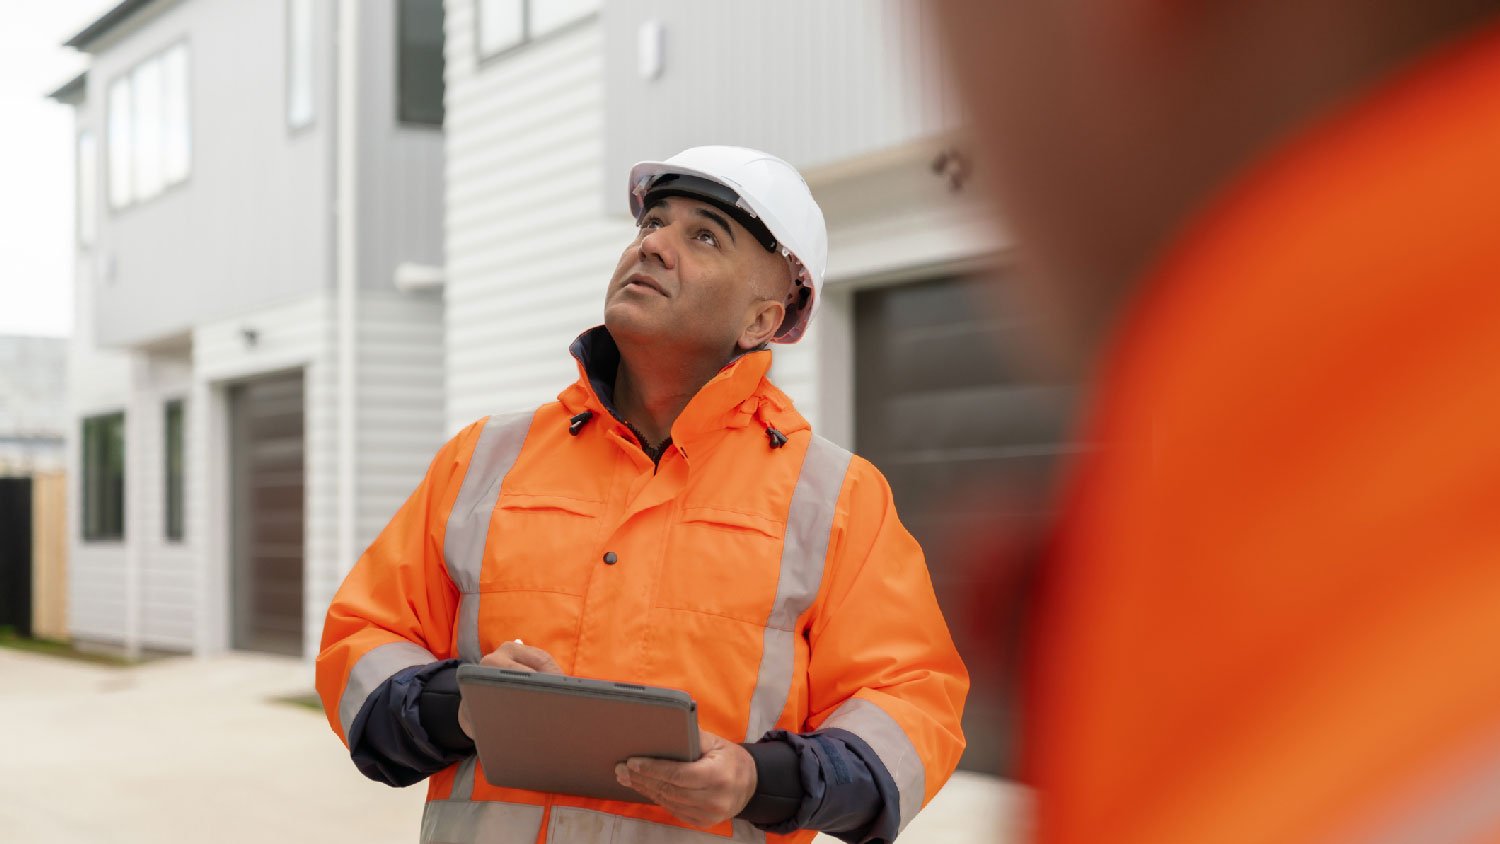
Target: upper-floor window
[[103, 463], [506, 24], [88, 188], [172, 470], [419, 62], [149, 137], [299, 63]]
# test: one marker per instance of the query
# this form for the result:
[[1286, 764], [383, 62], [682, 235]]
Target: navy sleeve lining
[[389, 741], [846, 790]]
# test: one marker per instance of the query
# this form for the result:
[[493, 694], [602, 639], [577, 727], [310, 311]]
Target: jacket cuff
[[437, 709], [778, 790]]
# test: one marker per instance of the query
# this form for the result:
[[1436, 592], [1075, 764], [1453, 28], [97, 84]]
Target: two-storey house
[[256, 379]]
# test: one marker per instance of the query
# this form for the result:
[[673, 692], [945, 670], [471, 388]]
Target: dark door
[[968, 436], [15, 555], [266, 433]]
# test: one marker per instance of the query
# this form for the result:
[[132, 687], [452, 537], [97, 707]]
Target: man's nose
[[658, 245]]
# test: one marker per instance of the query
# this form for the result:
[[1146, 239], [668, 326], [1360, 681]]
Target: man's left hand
[[704, 793]]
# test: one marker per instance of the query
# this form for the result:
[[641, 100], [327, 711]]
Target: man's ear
[[765, 320]]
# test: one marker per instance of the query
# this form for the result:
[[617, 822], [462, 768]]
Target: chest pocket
[[723, 563], [541, 543]]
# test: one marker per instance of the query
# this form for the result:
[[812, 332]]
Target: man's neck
[[651, 389]]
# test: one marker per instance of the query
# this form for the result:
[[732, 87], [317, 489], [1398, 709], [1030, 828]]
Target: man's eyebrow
[[718, 218]]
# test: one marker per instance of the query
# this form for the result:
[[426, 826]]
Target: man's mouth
[[645, 281]]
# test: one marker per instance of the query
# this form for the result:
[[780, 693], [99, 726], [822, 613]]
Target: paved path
[[184, 749]]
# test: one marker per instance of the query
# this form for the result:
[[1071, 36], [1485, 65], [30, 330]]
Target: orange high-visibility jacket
[[1275, 616], [774, 584]]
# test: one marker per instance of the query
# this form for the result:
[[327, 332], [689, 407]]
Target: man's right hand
[[517, 657]]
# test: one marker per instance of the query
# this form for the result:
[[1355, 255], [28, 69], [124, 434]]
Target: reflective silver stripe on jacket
[[587, 826], [809, 523], [468, 526], [881, 732], [465, 537], [1461, 804], [372, 669], [462, 822]]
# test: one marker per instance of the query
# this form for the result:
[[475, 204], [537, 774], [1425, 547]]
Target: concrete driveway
[[188, 749]]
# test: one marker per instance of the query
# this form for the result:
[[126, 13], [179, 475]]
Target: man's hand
[[517, 657], [706, 792]]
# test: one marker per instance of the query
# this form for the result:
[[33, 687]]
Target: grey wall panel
[[251, 226], [400, 166], [816, 83]]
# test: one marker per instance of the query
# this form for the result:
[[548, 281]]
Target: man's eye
[[708, 237], [651, 223]]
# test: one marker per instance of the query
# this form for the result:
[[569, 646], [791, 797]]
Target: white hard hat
[[766, 195]]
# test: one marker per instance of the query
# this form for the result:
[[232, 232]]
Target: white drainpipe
[[346, 205]]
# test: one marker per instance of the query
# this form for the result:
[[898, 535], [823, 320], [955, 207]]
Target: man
[[669, 520], [1275, 604]]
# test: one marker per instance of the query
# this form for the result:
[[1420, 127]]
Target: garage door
[[968, 436], [266, 422]]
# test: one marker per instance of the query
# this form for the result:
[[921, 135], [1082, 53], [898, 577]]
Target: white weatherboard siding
[[167, 586], [529, 252], [399, 418], [98, 382], [529, 247], [400, 396], [297, 335], [816, 83]]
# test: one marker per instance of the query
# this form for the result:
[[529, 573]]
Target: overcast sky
[[36, 165]]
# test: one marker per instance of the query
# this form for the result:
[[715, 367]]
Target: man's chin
[[632, 320]]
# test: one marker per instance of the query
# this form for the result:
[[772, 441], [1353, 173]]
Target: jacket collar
[[737, 396]]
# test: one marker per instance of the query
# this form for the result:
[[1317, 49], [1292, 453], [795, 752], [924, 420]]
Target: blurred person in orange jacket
[[671, 520], [1273, 609]]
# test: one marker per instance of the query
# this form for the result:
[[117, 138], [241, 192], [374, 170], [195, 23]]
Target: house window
[[507, 24], [150, 146], [299, 63], [104, 477], [172, 468], [88, 189], [419, 62], [120, 188]]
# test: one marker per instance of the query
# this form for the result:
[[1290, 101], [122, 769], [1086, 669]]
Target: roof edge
[[73, 91], [106, 23]]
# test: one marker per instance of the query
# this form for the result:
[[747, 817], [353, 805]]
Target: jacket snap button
[[610, 558]]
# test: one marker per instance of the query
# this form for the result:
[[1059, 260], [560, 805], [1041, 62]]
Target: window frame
[[169, 182], [174, 469], [482, 59], [293, 126], [95, 525], [403, 120], [121, 147]]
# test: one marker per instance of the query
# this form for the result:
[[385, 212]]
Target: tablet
[[551, 732]]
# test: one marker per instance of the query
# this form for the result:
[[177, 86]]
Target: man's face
[[695, 282]]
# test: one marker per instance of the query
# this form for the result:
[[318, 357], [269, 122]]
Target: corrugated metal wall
[[529, 251]]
